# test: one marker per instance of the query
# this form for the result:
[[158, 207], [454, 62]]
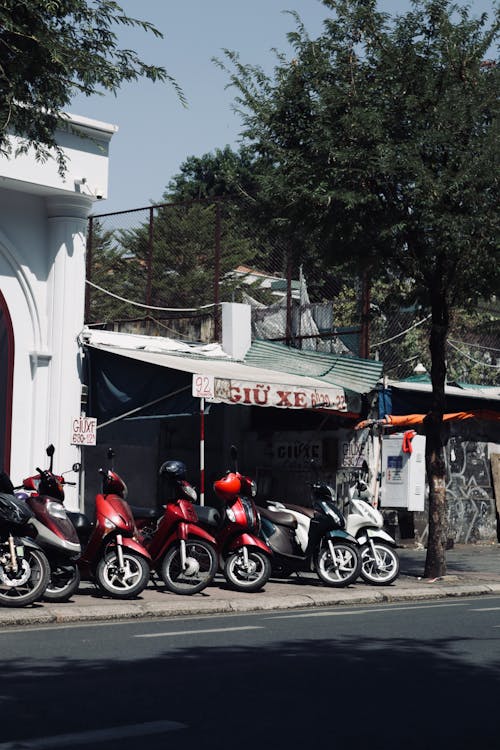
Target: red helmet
[[228, 487]]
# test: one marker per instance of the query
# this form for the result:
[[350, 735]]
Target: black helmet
[[173, 469]]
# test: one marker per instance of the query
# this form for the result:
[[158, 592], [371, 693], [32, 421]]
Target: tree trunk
[[435, 563]]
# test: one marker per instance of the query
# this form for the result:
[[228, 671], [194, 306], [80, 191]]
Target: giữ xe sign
[[83, 431], [279, 395]]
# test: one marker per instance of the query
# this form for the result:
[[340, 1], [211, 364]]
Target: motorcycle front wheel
[[199, 572], [251, 577], [27, 584], [64, 582], [339, 567], [126, 582], [381, 568]]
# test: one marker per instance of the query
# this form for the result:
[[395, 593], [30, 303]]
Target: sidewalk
[[471, 570]]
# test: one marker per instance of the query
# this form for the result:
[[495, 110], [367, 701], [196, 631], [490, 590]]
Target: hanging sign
[[203, 386], [83, 431], [279, 396]]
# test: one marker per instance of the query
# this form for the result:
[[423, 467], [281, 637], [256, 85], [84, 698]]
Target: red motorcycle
[[245, 558], [113, 554], [183, 553], [54, 532]]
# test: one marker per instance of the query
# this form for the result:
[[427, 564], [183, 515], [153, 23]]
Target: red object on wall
[[407, 438]]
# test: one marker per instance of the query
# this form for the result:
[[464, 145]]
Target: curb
[[69, 613]]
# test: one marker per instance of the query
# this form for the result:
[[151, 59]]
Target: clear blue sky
[[156, 133]]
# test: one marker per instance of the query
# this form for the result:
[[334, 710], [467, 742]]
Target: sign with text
[[203, 386], [83, 431], [279, 396], [297, 453]]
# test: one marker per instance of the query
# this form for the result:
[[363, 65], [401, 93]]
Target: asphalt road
[[409, 675]]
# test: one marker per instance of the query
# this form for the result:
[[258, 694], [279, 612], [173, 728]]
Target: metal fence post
[[217, 270], [88, 268], [288, 332]]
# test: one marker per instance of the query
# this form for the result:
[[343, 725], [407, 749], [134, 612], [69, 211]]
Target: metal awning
[[123, 381]]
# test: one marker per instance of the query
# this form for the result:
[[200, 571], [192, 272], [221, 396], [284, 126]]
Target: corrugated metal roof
[[352, 373]]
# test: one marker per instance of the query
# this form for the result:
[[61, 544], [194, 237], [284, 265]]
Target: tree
[[49, 51], [383, 133]]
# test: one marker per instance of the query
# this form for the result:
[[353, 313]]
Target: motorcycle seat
[[278, 516], [139, 512], [81, 522], [207, 514], [309, 512]]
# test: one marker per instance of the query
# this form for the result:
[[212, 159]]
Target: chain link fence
[[165, 270]]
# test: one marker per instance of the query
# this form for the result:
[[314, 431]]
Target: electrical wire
[[402, 333], [150, 307], [476, 361]]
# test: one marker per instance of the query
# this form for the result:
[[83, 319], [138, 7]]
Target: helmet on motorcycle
[[173, 469], [228, 487]]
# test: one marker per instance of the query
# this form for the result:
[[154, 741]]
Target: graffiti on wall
[[471, 508], [470, 499]]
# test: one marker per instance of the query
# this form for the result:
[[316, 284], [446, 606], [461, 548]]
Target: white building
[[43, 219]]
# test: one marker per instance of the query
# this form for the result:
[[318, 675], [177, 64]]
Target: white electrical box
[[403, 473]]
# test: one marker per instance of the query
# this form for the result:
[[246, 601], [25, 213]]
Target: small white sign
[[83, 431], [203, 386]]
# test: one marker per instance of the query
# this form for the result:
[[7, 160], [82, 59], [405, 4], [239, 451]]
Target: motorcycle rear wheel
[[341, 569], [252, 578], [123, 583], [33, 576], [64, 582], [200, 572], [381, 572]]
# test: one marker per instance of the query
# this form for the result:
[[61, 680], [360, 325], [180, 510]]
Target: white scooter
[[380, 561]]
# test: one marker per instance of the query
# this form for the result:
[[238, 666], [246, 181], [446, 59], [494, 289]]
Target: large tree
[[383, 133], [51, 50]]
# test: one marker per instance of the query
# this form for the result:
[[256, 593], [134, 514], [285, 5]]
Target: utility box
[[403, 472]]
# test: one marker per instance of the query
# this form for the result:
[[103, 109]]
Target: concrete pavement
[[471, 570]]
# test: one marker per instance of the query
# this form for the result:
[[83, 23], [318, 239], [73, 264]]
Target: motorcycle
[[310, 539], [54, 532], [245, 557], [113, 555], [24, 569], [183, 554], [379, 559]]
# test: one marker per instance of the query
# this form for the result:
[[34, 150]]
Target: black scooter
[[24, 569], [307, 539]]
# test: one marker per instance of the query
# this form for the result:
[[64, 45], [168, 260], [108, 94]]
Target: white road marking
[[342, 613], [92, 736], [486, 609], [195, 632]]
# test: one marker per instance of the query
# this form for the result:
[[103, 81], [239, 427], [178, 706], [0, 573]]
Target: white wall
[[43, 221]]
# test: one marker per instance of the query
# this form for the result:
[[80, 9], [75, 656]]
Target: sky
[[156, 134]]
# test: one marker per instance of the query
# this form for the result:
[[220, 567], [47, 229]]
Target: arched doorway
[[6, 378]]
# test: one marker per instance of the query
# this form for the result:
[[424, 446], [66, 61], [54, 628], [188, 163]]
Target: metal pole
[[288, 332], [202, 451], [88, 268], [365, 316], [217, 270]]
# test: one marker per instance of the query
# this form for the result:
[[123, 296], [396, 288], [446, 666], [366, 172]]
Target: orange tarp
[[407, 420]]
